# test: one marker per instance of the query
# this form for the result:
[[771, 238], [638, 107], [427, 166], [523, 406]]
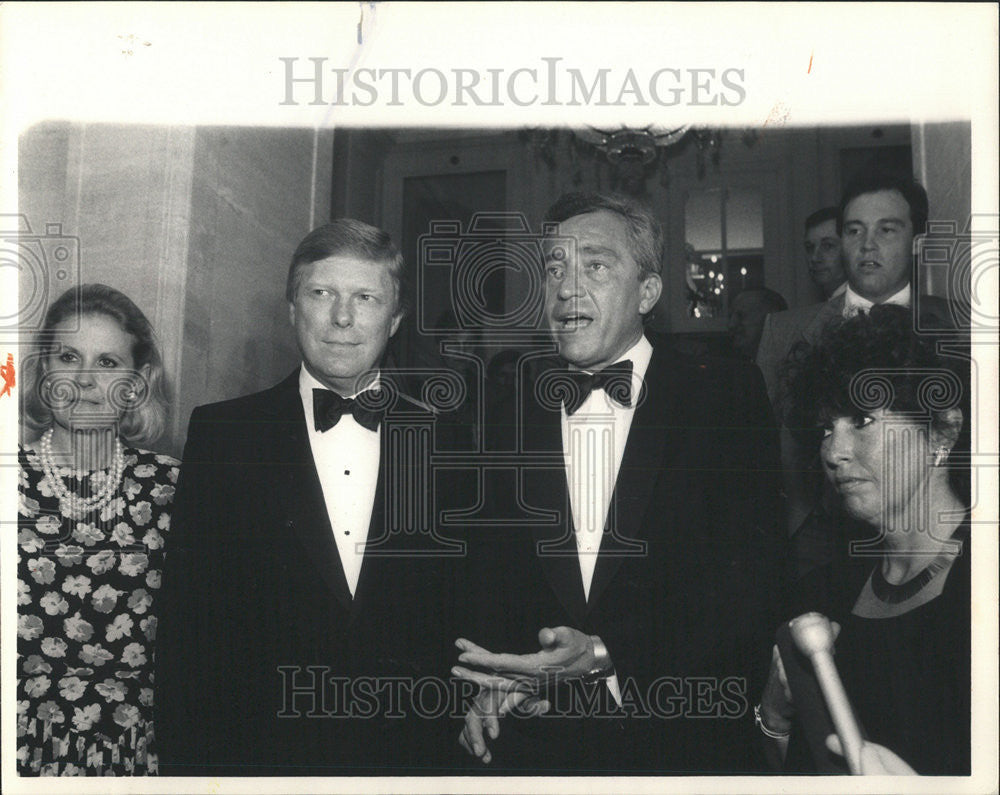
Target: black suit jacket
[[684, 591], [266, 665]]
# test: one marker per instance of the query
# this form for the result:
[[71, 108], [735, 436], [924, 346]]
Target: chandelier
[[631, 154]]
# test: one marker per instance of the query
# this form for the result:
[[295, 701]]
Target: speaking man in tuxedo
[[623, 621], [297, 619]]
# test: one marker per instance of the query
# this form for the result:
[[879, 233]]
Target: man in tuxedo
[[623, 622], [880, 214], [298, 618]]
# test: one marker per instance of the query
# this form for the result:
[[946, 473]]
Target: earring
[[941, 455]]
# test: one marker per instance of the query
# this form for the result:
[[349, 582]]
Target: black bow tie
[[615, 380], [329, 407]]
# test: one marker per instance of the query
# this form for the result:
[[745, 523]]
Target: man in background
[[880, 214], [822, 244], [746, 318]]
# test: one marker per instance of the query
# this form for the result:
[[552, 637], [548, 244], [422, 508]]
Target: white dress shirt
[[593, 441], [593, 446], [347, 462], [854, 303]]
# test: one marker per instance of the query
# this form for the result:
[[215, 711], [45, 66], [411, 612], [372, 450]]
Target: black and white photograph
[[469, 397]]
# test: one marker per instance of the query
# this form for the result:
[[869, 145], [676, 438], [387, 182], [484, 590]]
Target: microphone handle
[[840, 709]]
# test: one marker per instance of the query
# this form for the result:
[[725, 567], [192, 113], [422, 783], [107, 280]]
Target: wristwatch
[[602, 662]]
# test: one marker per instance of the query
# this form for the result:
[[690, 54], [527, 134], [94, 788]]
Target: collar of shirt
[[308, 382], [593, 443], [347, 463], [639, 354], [854, 303], [839, 290]]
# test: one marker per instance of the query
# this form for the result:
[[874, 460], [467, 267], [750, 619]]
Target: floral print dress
[[87, 619]]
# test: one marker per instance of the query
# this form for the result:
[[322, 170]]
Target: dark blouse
[[908, 677]]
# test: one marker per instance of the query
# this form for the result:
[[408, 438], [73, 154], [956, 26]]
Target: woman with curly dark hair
[[890, 417]]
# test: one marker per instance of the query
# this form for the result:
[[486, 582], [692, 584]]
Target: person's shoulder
[[151, 457], [801, 316], [939, 314], [704, 380], [157, 467], [251, 405], [703, 366], [433, 392]]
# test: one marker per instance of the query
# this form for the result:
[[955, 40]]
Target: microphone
[[814, 637]]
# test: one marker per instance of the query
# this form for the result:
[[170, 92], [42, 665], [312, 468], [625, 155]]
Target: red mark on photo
[[7, 372]]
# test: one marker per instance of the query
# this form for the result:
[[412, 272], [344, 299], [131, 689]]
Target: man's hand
[[490, 705], [514, 681], [566, 653]]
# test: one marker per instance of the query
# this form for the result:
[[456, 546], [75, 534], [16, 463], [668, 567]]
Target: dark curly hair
[[876, 360]]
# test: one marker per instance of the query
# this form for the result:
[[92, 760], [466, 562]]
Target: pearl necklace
[[73, 504]]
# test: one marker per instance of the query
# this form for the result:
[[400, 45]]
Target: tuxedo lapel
[[405, 477], [303, 505], [648, 450], [368, 577], [546, 491]]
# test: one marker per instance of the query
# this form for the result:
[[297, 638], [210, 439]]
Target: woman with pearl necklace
[[93, 518]]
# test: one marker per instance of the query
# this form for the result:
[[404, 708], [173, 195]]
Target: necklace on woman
[[894, 594], [73, 504]]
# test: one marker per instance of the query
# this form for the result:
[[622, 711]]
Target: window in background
[[724, 247]]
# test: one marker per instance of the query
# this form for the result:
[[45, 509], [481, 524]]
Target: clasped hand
[[514, 680]]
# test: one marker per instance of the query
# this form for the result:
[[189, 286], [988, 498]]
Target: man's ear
[[291, 313], [396, 320], [649, 293]]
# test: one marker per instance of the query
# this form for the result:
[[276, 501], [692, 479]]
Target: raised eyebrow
[[599, 250]]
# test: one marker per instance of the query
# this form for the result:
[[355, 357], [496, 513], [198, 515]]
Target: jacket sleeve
[[189, 676]]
